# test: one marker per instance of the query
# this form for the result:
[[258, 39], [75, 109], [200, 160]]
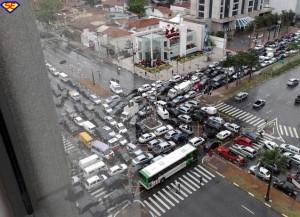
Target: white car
[[223, 135], [162, 130], [218, 120], [110, 99], [196, 141], [194, 103], [109, 120], [117, 169], [107, 108], [78, 120], [146, 137], [171, 133], [190, 94], [121, 128], [115, 87], [210, 110], [95, 99], [142, 159], [176, 78], [144, 88], [270, 144], [232, 127], [185, 118], [260, 172]]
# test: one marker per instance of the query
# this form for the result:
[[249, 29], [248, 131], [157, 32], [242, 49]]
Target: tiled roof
[[142, 23], [116, 32], [164, 10]]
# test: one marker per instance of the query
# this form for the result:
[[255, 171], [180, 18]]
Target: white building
[[281, 5], [226, 15]]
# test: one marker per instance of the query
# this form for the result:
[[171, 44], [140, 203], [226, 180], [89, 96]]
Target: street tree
[[47, 9], [273, 159], [293, 46], [137, 7]]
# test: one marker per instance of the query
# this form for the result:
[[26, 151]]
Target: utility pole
[[93, 78]]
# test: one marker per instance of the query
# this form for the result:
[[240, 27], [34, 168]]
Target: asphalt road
[[78, 66], [279, 104], [217, 198]]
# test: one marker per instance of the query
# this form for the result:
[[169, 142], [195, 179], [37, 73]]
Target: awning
[[241, 23]]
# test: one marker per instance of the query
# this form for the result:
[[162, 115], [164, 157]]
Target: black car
[[258, 104], [285, 187], [174, 122], [297, 100], [209, 132], [211, 144], [174, 112], [180, 138]]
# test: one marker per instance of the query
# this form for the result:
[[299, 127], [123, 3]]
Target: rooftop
[[116, 32], [113, 2], [142, 23], [186, 5], [164, 10]]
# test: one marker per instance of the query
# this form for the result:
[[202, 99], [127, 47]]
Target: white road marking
[[251, 119], [296, 134], [240, 115], [250, 211], [187, 184], [152, 208], [280, 129], [98, 190], [235, 113], [184, 188], [162, 202], [167, 199], [196, 174], [170, 195], [291, 132], [190, 181], [229, 110], [258, 122], [205, 170], [223, 107], [195, 179], [158, 206], [219, 105], [175, 187], [261, 125], [285, 130], [248, 117]]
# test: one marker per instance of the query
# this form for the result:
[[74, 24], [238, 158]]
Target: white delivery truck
[[179, 89], [163, 112], [88, 126], [129, 111]]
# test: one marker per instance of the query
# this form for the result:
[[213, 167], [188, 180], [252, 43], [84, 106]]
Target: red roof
[[142, 23], [116, 32], [184, 5]]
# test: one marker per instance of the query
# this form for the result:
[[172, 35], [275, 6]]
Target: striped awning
[[241, 23]]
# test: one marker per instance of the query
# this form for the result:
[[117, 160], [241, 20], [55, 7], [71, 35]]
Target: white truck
[[129, 111], [179, 89]]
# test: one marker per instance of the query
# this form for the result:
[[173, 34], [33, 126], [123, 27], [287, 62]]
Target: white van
[[64, 77], [94, 181], [161, 103], [93, 169], [131, 147], [290, 148], [162, 130], [296, 159], [163, 113], [88, 126], [88, 161]]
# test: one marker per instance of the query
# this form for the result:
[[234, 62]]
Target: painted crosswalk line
[[152, 208]]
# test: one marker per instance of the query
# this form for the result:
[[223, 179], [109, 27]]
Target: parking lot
[[129, 132]]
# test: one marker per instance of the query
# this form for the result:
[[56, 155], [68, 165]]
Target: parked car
[[286, 187], [225, 134], [297, 100], [241, 140], [217, 120], [142, 159], [241, 96], [270, 145], [144, 88], [162, 130], [258, 104], [180, 138], [211, 144], [117, 169], [194, 103], [186, 128], [190, 94], [260, 172], [210, 110], [146, 137], [151, 144], [232, 127], [171, 133], [196, 141], [185, 118]]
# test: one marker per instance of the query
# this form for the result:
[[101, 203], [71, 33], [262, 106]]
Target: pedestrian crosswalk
[[167, 197], [254, 120], [68, 146]]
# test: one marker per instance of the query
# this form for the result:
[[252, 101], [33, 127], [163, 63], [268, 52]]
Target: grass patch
[[154, 69]]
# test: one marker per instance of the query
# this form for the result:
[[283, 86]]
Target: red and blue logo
[[10, 6]]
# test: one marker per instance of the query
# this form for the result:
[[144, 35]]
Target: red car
[[197, 86], [230, 156], [241, 140]]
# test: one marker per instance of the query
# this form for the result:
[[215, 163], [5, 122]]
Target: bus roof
[[88, 159], [94, 166], [168, 160], [92, 179]]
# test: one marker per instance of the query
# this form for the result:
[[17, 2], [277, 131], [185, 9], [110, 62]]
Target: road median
[[254, 187]]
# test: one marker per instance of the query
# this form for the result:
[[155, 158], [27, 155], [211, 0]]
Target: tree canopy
[[137, 6], [47, 9], [241, 59]]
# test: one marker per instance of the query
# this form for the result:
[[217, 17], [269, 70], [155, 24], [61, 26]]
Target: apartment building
[[227, 15]]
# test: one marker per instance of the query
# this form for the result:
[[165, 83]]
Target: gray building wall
[[29, 112]]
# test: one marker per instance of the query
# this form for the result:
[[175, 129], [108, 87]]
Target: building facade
[[226, 15]]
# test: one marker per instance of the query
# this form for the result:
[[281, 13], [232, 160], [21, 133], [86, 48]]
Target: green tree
[[47, 10], [137, 6], [91, 2], [293, 46], [273, 159]]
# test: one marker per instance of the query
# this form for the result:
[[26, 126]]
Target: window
[[234, 13], [201, 1], [235, 7], [201, 15], [201, 7]]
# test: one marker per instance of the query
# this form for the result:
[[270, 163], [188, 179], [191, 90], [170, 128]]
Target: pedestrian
[[172, 72], [178, 186], [261, 133], [200, 180]]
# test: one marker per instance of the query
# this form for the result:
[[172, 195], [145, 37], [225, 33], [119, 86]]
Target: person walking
[[200, 180]]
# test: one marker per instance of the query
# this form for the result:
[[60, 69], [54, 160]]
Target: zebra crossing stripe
[[158, 206], [100, 194], [247, 117], [232, 110], [258, 122], [223, 107], [203, 174], [98, 190], [295, 132], [162, 202], [196, 174], [184, 188], [261, 125], [238, 116], [170, 195], [190, 181], [255, 120], [175, 187], [152, 208], [187, 183], [291, 132], [205, 170], [196, 180], [280, 129], [251, 119], [163, 196], [235, 112], [219, 105], [285, 130], [228, 109]]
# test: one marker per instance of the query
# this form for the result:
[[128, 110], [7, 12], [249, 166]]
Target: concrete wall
[[219, 42], [154, 12], [200, 31]]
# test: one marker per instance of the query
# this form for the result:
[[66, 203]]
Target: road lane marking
[[98, 190], [252, 195], [256, 120], [219, 105], [170, 195], [152, 208], [295, 132], [220, 174], [203, 174], [186, 182], [175, 188], [245, 115], [285, 130], [291, 132], [196, 174], [268, 205], [223, 107], [229, 110], [251, 119], [235, 113], [236, 184], [205, 170], [167, 199], [195, 179], [183, 187], [247, 118], [280, 129], [162, 202], [158, 206], [190, 181], [250, 211], [240, 115]]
